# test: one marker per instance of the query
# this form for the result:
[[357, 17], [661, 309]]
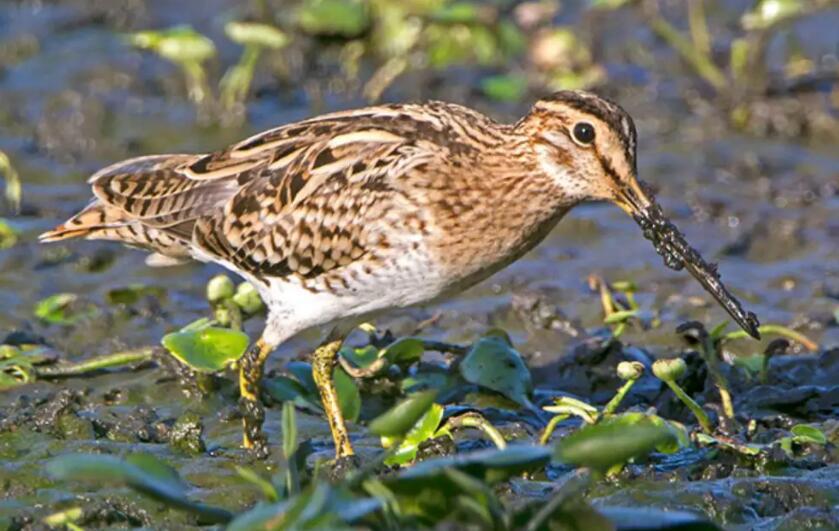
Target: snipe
[[345, 215]]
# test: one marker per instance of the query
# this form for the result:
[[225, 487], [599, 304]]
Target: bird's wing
[[320, 196]]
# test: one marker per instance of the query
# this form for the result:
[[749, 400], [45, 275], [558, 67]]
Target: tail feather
[[99, 221], [94, 219]]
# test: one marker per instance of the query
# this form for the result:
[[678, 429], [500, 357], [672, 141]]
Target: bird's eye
[[584, 133]]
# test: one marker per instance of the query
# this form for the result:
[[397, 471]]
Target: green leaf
[[303, 391], [435, 489], [505, 88], [424, 429], [132, 294], [14, 191], [158, 469], [718, 331], [16, 367], [303, 372], [148, 477], [321, 506], [681, 437], [490, 465], [620, 316], [180, 44], [610, 443], [456, 13], [345, 18], [349, 397], [62, 309], [609, 4], [361, 357], [495, 365], [266, 487], [289, 421], [283, 389], [398, 420], [403, 351], [8, 235], [252, 33], [208, 349], [808, 434]]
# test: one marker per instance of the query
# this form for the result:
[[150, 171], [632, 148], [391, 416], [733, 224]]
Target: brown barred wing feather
[[316, 205]]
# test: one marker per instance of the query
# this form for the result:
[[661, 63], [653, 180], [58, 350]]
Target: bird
[[340, 217]]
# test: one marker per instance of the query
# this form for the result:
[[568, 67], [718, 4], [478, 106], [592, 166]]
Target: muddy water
[[74, 98]]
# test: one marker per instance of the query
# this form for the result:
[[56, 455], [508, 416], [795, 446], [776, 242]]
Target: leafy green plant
[[401, 418], [63, 309], [566, 406], [255, 38], [206, 348], [747, 74], [494, 364], [370, 360], [190, 51], [802, 434], [613, 442], [300, 389], [14, 189], [141, 472], [184, 47], [619, 311], [669, 371]]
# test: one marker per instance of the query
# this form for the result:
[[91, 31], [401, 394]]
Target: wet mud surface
[[73, 99]]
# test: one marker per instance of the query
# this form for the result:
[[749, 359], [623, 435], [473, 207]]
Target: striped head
[[586, 144]]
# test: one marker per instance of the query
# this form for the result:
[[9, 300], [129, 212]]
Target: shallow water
[[79, 99]]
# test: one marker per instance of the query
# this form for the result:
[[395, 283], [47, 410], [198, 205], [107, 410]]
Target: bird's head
[[586, 145]]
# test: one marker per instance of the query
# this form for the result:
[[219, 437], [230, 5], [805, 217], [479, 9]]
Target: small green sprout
[[234, 86], [247, 298], [220, 287], [564, 407], [802, 434], [13, 186], [671, 370], [629, 372], [615, 311], [186, 48]]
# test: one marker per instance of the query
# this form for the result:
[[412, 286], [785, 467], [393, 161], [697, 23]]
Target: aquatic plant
[[14, 189]]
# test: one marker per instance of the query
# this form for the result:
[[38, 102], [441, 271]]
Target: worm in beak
[[670, 243]]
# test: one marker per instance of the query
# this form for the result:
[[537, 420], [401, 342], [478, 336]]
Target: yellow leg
[[323, 363], [253, 414]]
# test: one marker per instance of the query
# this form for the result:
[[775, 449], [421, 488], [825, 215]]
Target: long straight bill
[[670, 243]]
